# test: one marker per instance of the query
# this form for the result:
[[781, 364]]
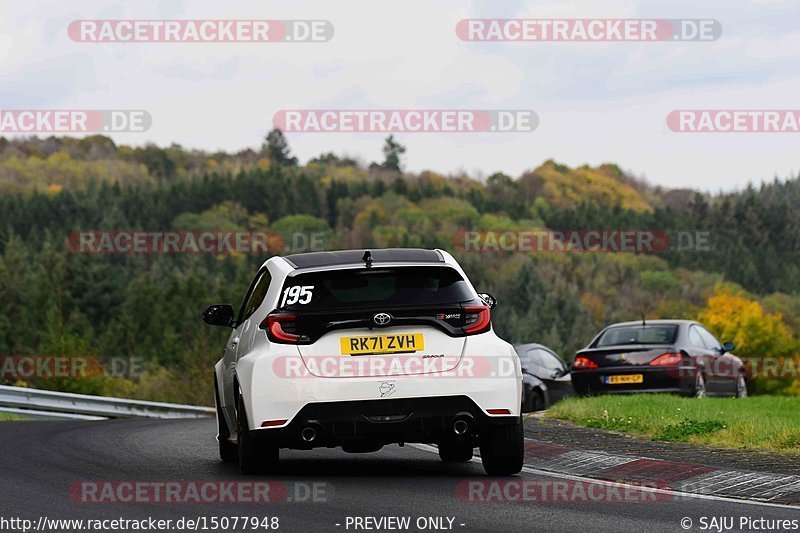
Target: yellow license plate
[[629, 378], [378, 344]]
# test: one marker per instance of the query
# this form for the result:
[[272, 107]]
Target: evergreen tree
[[392, 153], [276, 148]]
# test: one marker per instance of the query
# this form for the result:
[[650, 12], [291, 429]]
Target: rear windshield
[[375, 286], [660, 334]]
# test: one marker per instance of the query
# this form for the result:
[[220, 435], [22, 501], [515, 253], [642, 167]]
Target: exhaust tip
[[309, 434], [460, 427], [463, 423]]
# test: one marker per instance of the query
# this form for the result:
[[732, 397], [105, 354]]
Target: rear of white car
[[360, 349]]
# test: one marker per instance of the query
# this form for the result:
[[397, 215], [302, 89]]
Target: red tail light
[[277, 323], [272, 423], [667, 359], [498, 411], [477, 319], [582, 362]]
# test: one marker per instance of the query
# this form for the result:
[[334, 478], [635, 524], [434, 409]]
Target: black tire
[[228, 451], [537, 401], [741, 387], [455, 450], [254, 457], [534, 401], [502, 449]]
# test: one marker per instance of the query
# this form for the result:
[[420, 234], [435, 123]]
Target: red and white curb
[[657, 475], [680, 477]]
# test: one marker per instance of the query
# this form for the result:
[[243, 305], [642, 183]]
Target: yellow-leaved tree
[[732, 316]]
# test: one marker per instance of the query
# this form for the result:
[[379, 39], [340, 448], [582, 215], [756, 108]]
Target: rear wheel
[[455, 450], [254, 457], [502, 449], [228, 451], [532, 401], [537, 401]]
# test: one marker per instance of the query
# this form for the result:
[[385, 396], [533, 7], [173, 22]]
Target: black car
[[545, 377], [659, 356]]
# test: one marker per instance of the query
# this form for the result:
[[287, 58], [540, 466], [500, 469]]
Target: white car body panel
[[269, 396]]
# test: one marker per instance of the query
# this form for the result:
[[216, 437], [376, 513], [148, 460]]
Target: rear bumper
[[273, 398], [654, 379], [380, 422]]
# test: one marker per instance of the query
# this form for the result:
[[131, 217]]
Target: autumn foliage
[[731, 315]]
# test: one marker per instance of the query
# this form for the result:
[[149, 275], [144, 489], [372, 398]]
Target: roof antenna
[[367, 258], [643, 322]]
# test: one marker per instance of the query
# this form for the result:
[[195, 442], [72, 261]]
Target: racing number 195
[[299, 294]]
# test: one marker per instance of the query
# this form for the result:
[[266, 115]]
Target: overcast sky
[[597, 102]]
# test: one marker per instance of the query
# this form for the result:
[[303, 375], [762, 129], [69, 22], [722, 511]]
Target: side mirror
[[728, 347], [219, 315], [488, 299]]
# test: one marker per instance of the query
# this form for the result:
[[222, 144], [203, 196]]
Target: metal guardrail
[[32, 414], [38, 401]]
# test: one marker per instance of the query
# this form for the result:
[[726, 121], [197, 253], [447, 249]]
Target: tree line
[[54, 301]]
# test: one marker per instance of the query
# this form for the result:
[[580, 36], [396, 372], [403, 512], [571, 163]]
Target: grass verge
[[759, 422], [7, 416]]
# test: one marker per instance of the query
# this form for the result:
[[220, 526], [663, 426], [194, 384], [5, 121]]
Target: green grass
[[6, 416], [760, 422]]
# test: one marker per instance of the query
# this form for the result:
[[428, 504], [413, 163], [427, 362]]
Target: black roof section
[[352, 257]]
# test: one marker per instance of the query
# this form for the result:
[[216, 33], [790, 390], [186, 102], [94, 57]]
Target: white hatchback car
[[360, 349]]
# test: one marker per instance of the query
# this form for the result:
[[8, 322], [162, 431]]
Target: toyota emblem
[[382, 319]]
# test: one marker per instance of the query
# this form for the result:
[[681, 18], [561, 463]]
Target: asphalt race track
[[41, 461]]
